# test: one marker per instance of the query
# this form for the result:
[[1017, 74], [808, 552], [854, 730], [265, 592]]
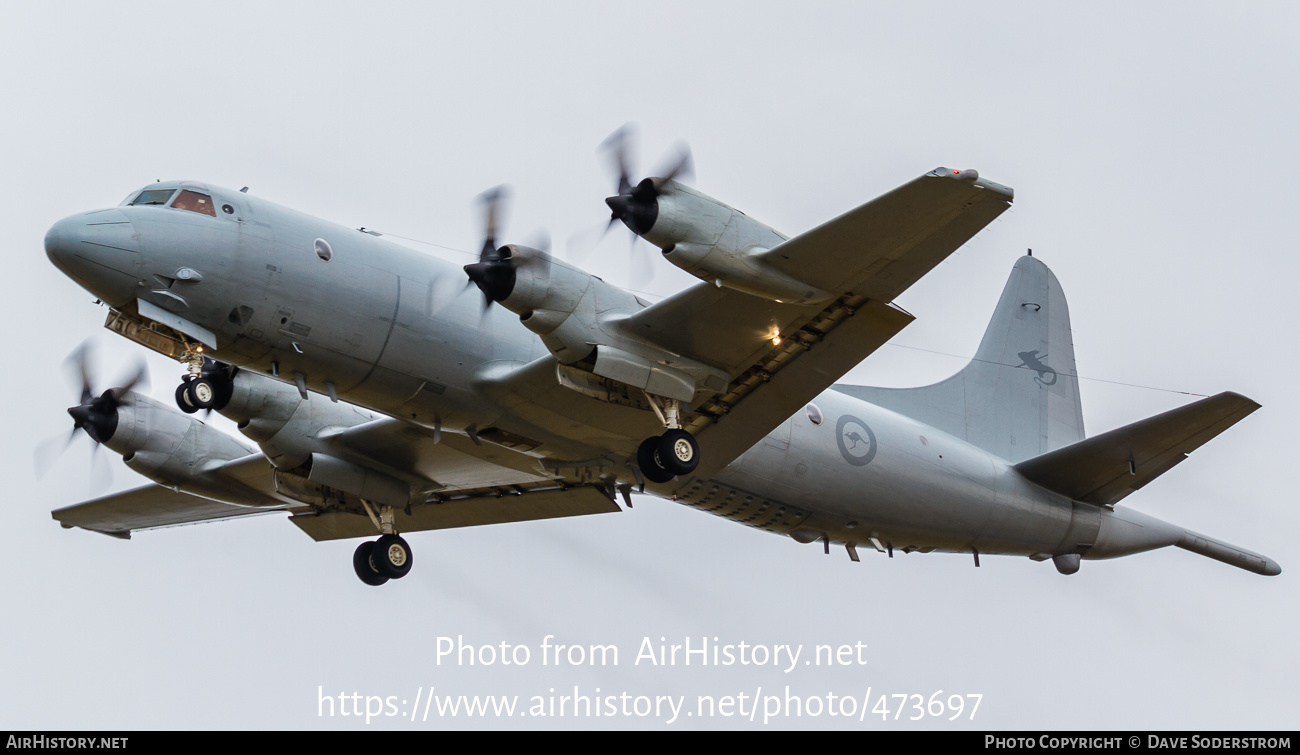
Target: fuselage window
[[194, 202], [154, 196]]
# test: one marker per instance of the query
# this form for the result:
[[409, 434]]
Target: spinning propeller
[[497, 267], [637, 206], [96, 415]]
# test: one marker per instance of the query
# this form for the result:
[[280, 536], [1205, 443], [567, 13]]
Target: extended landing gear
[[377, 561], [676, 452], [209, 385], [389, 557], [663, 457]]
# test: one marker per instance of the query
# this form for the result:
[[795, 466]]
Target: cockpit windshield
[[194, 202], [154, 196]]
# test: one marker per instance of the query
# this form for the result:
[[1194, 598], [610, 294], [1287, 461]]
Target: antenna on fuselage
[[244, 190]]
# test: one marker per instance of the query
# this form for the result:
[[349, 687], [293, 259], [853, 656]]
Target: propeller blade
[[540, 263], [493, 201], [683, 168], [101, 471], [49, 450], [79, 361], [617, 144], [641, 268], [445, 290], [140, 379]]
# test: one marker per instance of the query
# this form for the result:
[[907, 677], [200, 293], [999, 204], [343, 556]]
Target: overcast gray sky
[[1152, 148]]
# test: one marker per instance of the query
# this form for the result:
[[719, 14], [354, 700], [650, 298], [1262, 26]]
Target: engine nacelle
[[166, 446], [287, 427], [179, 451], [261, 406], [566, 306], [722, 245]]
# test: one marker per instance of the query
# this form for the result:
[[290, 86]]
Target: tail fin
[[1019, 397]]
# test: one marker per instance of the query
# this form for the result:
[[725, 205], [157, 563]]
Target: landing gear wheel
[[391, 556], [365, 567], [678, 452], [202, 393], [183, 398], [647, 458]]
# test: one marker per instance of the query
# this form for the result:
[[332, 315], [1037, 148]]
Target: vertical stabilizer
[[1019, 397]]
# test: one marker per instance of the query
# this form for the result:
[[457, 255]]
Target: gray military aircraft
[[383, 398]]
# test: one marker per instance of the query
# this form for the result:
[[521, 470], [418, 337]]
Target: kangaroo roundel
[[857, 442]]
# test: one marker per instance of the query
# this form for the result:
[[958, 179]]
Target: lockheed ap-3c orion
[[379, 398]]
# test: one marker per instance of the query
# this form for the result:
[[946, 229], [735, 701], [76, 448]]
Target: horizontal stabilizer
[[1104, 469]]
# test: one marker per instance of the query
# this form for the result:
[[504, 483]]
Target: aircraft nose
[[55, 248], [99, 250]]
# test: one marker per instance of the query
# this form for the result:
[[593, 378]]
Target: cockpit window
[[195, 202], [154, 196]]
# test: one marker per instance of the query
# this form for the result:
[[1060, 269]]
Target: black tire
[[391, 556], [678, 452], [364, 567], [202, 393], [221, 377], [183, 398], [647, 458]]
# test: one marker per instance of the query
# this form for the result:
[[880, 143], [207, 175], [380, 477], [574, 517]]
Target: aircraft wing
[[865, 258], [469, 483], [874, 252], [149, 507], [880, 249]]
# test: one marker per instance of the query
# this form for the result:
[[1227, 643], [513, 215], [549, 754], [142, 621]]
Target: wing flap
[[1098, 470], [452, 461], [464, 512], [729, 424]]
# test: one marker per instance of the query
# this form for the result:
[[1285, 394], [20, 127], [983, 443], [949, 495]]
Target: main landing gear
[[377, 561], [676, 452], [389, 557]]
